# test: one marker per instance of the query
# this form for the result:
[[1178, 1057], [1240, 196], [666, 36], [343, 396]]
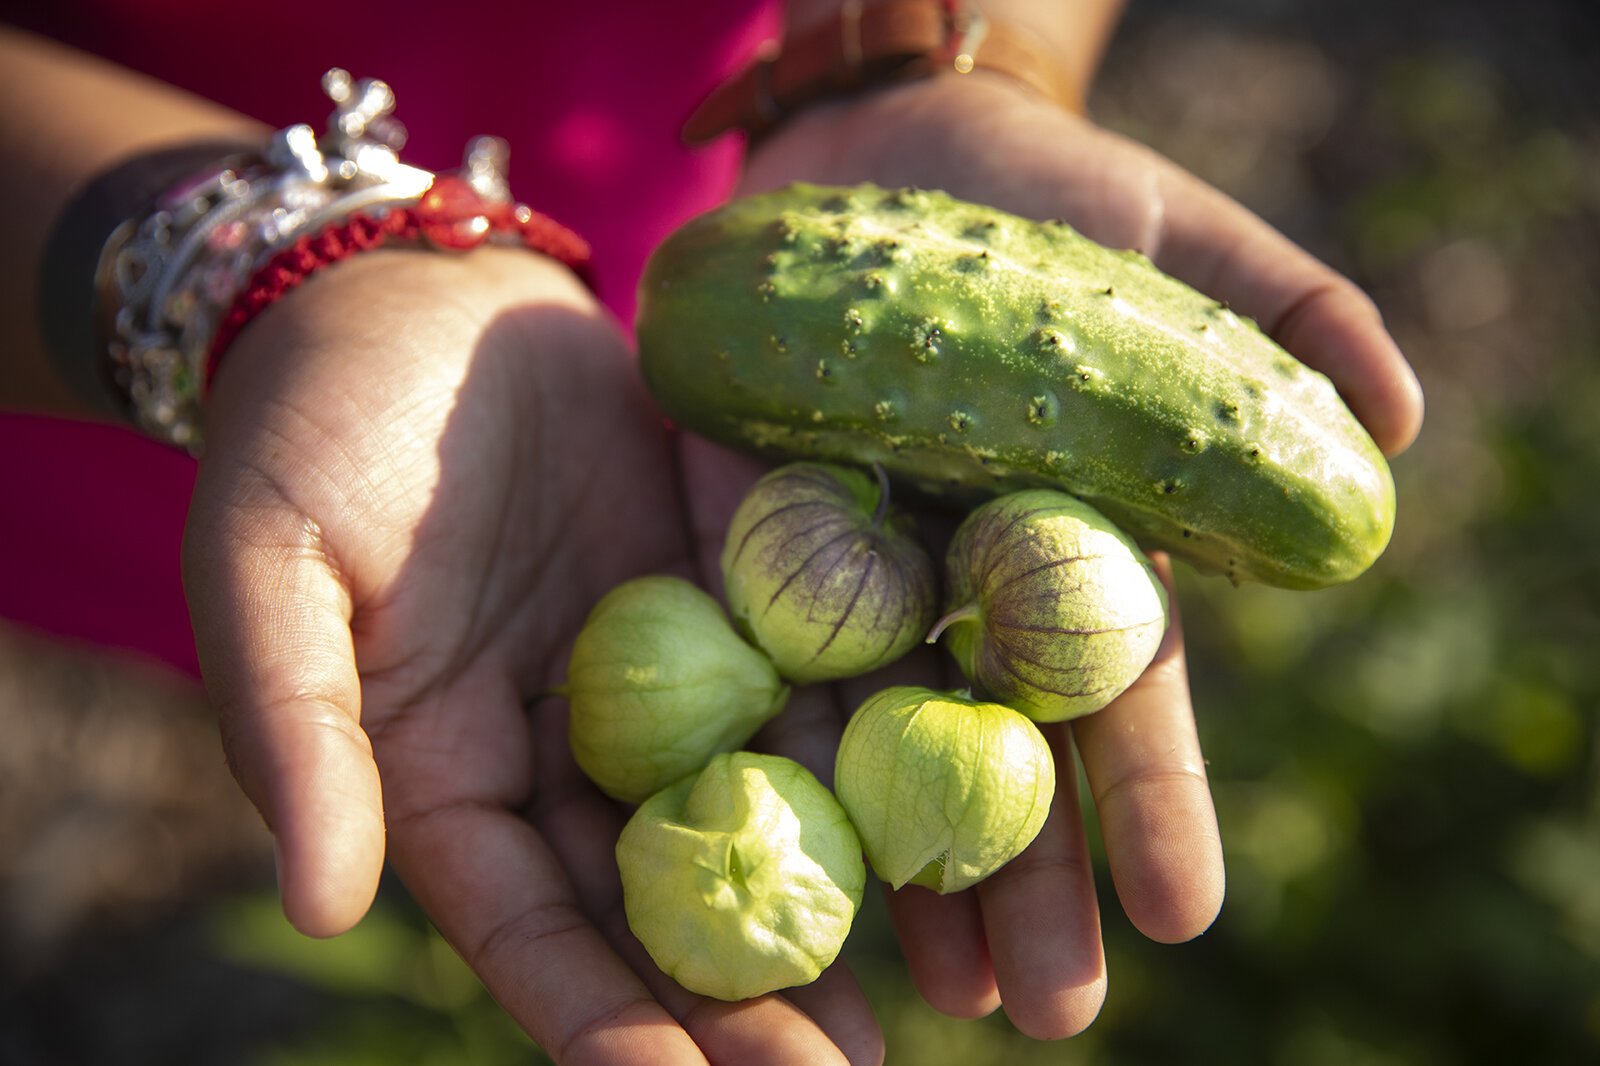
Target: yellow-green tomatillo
[[742, 879], [659, 682], [942, 789], [824, 575], [1053, 610]]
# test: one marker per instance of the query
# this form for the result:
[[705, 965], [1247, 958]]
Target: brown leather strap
[[871, 44]]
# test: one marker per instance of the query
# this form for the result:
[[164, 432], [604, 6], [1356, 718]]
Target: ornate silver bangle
[[169, 279]]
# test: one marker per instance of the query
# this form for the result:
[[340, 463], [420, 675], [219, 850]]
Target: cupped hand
[[1029, 937], [988, 139], [422, 471]]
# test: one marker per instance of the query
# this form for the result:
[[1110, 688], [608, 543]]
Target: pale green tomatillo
[[743, 879], [658, 682], [943, 789]]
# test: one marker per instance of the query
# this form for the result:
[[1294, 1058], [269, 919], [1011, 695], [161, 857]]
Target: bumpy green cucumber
[[972, 352]]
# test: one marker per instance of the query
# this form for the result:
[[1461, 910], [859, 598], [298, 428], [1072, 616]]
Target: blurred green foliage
[[401, 993]]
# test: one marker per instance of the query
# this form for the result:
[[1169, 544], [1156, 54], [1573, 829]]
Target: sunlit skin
[[400, 519], [990, 140], [425, 469]]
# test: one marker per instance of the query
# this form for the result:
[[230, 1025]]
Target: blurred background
[[1407, 769]]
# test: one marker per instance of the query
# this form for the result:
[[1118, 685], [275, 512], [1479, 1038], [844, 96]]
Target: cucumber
[[973, 353]]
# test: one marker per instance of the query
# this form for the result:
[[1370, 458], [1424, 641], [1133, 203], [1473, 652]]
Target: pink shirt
[[590, 97]]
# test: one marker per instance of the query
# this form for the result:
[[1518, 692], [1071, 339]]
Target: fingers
[[834, 1027], [1043, 922], [941, 937], [272, 630], [836, 1002], [495, 892], [1321, 317], [1027, 938], [1142, 757], [808, 732]]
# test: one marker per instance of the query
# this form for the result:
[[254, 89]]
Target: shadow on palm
[[557, 482]]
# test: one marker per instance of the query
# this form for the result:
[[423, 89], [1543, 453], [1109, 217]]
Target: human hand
[[422, 471], [1029, 937], [986, 138]]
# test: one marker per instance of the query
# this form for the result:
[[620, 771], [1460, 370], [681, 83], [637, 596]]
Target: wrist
[[840, 48], [74, 118], [936, 132], [70, 268], [402, 306], [190, 269], [1075, 32], [388, 339]]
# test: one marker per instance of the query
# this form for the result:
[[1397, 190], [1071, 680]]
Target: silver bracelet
[[169, 280]]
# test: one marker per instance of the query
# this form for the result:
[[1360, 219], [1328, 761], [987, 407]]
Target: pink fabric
[[590, 97]]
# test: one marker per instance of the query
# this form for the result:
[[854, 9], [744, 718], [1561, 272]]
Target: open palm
[[1029, 937], [423, 472]]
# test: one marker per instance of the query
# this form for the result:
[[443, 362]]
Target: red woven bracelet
[[176, 284], [451, 216]]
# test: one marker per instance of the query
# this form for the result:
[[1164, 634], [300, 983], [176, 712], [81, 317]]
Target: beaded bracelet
[[178, 284], [451, 215]]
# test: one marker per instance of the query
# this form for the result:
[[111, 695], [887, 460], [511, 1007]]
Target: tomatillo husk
[[942, 789], [658, 683], [824, 575], [1052, 609], [742, 879]]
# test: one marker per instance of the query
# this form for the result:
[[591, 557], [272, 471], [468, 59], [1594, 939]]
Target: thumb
[[271, 620]]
